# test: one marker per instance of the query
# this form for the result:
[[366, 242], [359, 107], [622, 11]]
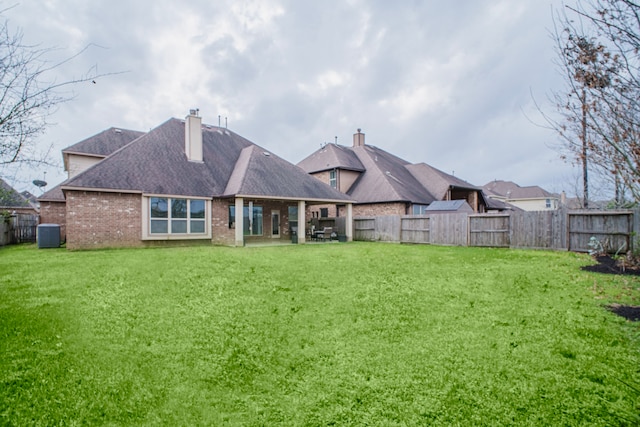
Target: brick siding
[[55, 213], [267, 207], [313, 211], [98, 220], [221, 234], [380, 209], [374, 209]]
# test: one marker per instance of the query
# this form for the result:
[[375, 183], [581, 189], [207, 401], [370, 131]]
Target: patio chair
[[324, 234]]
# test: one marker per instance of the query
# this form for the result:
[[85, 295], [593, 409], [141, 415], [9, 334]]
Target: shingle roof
[[437, 181], [512, 190], [449, 206], [156, 163], [104, 143], [10, 198], [53, 195], [332, 156], [386, 179]]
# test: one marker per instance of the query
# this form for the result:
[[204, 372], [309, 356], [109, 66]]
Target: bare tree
[[599, 52], [29, 94]]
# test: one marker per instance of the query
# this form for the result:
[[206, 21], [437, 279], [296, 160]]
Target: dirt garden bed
[[608, 265]]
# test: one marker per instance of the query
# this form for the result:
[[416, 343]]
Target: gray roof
[[155, 163], [511, 190], [385, 177], [53, 195], [332, 156], [449, 206], [104, 143], [10, 198], [437, 181]]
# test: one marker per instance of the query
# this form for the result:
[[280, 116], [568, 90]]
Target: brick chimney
[[358, 139], [193, 136]]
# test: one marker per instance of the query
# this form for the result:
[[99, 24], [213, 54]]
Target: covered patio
[[266, 221]]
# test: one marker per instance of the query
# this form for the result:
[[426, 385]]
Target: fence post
[[635, 229]]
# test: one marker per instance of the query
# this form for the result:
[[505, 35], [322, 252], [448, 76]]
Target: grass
[[344, 334]]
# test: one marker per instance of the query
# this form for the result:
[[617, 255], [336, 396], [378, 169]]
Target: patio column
[[349, 225], [302, 222], [239, 221]]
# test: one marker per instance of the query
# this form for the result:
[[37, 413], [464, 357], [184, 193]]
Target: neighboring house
[[383, 184], [532, 198], [184, 181], [449, 206], [14, 202]]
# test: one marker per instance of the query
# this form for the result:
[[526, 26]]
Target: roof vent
[[266, 154]]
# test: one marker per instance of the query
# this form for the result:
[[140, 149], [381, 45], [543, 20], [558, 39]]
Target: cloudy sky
[[445, 83]]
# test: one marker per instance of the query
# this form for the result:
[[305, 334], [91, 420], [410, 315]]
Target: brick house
[[384, 184], [76, 159], [182, 182]]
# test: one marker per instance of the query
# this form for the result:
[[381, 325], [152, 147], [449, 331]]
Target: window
[[324, 212], [293, 218], [159, 215], [251, 219], [232, 216], [332, 179], [177, 216], [419, 209], [548, 203], [197, 211]]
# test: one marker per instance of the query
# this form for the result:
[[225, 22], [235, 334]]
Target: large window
[[251, 219], [177, 216]]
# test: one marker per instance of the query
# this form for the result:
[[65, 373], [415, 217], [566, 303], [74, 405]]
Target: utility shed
[[449, 206]]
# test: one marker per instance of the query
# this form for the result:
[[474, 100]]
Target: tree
[[589, 68], [29, 94], [599, 53]]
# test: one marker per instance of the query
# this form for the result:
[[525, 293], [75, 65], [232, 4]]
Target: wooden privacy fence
[[18, 228], [559, 229]]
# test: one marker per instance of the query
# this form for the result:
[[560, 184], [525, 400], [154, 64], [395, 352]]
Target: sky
[[452, 84]]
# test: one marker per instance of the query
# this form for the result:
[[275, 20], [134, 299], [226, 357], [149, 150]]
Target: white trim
[[79, 153], [100, 190], [177, 196], [276, 211], [349, 225], [296, 199], [302, 223], [239, 221], [146, 221]]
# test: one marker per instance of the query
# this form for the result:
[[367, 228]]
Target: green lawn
[[334, 334]]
